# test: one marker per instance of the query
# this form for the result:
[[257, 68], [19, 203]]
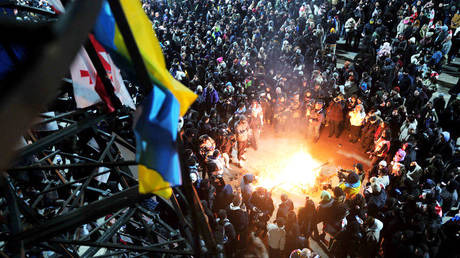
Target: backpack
[[221, 234]]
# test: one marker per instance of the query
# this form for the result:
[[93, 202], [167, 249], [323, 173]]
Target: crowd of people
[[273, 64]]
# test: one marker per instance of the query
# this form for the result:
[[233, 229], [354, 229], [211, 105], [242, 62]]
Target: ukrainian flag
[[109, 35], [156, 126], [156, 132]]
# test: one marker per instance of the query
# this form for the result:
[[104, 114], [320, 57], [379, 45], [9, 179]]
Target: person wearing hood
[[224, 197], [349, 29], [413, 173], [211, 97], [444, 145], [306, 218], [330, 213], [247, 187]]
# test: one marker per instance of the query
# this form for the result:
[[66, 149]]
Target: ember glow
[[295, 174]]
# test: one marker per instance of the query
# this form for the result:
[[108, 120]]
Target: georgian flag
[[87, 86]]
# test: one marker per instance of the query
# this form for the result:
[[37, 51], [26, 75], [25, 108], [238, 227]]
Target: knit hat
[[325, 196]]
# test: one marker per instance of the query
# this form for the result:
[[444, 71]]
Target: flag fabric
[[114, 74], [107, 32], [88, 87], [156, 133], [84, 81]]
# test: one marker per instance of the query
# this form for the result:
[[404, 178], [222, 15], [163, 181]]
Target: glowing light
[[297, 174]]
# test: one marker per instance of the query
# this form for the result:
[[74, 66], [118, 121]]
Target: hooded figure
[[246, 187]]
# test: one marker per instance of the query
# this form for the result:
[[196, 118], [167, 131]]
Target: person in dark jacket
[[223, 198], [284, 207], [306, 218], [376, 199], [370, 127], [210, 96], [334, 116], [292, 233], [331, 40], [225, 233], [239, 217], [261, 208]]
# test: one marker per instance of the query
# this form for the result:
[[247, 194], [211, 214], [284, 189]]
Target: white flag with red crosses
[[88, 88]]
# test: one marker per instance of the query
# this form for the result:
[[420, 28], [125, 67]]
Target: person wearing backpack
[[225, 234]]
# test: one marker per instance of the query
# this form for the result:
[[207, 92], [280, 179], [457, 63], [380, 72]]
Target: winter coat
[[350, 25], [276, 236], [284, 208], [238, 216], [325, 212], [406, 127], [415, 174], [224, 198], [334, 112], [210, 97], [376, 201], [225, 232], [242, 130], [292, 236], [374, 230], [264, 204], [246, 187]]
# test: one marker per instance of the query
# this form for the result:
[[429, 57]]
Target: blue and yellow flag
[[107, 32], [156, 126], [156, 132]]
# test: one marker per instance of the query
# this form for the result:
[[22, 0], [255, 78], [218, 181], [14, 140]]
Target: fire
[[296, 174]]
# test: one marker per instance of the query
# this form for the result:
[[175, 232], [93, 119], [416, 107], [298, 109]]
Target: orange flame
[[295, 174]]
